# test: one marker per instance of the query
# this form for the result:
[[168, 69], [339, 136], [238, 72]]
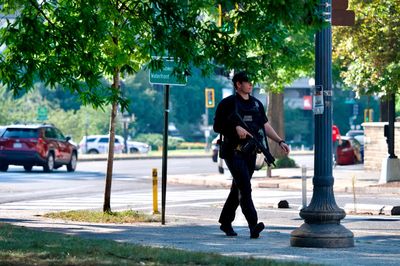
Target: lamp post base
[[322, 236]]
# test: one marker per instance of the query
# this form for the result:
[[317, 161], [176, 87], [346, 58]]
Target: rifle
[[268, 158]]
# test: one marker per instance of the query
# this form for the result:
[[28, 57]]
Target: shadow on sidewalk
[[274, 243]]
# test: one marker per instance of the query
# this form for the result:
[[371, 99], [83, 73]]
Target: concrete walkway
[[375, 244], [347, 179]]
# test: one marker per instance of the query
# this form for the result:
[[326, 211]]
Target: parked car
[[2, 129], [356, 134], [359, 136], [36, 145], [352, 133], [137, 147], [215, 149], [349, 151], [215, 154], [99, 144]]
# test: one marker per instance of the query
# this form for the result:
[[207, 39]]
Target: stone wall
[[375, 147]]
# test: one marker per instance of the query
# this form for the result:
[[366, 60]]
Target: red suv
[[41, 145]]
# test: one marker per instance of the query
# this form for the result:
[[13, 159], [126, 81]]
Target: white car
[[95, 144], [137, 147]]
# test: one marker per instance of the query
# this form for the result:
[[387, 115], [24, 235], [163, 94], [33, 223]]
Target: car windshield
[[353, 133], [345, 144], [20, 133]]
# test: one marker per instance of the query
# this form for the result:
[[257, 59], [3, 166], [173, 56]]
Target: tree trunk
[[110, 158], [276, 119]]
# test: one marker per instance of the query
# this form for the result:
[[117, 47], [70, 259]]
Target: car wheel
[[71, 166], [28, 168], [49, 166], [3, 167], [215, 156], [133, 150], [220, 165], [93, 151], [220, 170]]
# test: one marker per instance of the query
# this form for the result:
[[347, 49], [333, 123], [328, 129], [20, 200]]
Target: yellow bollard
[[155, 191]]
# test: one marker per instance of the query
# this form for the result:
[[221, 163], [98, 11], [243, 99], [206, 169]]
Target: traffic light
[[210, 97], [368, 115], [224, 21]]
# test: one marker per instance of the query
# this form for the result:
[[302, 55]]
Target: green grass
[[128, 216], [22, 246]]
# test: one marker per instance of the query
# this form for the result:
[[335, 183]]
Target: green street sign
[[42, 113], [165, 76]]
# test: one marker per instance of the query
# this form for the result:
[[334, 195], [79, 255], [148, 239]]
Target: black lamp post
[[322, 216]]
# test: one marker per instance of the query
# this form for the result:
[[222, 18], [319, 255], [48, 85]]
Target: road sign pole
[[321, 227], [166, 77], [165, 154], [206, 130]]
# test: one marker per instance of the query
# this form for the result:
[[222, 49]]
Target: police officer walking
[[239, 118]]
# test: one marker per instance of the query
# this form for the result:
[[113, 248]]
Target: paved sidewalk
[[375, 244], [291, 179], [372, 246], [349, 179]]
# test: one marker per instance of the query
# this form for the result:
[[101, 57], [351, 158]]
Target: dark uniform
[[241, 165]]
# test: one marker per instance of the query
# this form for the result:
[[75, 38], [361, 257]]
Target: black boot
[[228, 230], [256, 230]]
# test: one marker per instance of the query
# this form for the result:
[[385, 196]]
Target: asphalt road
[[134, 176], [89, 178]]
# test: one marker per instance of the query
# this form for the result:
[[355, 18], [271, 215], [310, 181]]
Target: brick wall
[[375, 147]]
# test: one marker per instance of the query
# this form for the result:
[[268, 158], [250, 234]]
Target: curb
[[371, 209], [372, 189], [103, 157], [224, 181]]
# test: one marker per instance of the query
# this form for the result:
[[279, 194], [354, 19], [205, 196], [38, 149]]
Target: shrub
[[156, 141], [285, 162], [191, 145], [174, 142]]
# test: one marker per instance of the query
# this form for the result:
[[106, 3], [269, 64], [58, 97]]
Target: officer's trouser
[[242, 169]]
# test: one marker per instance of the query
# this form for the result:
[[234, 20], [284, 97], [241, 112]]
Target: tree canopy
[[78, 43], [369, 51]]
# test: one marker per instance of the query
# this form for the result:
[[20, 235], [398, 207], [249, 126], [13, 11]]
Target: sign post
[[165, 77]]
